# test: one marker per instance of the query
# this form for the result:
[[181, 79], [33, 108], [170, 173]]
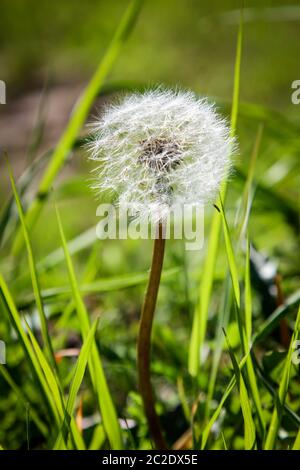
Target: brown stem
[[144, 340]]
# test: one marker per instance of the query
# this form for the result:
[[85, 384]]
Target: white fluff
[[160, 148]]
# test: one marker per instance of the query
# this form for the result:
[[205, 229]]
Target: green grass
[[202, 308], [224, 354], [110, 421]]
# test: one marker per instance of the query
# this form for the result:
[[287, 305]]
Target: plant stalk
[[144, 340]]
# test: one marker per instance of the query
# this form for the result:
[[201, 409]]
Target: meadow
[[225, 342]]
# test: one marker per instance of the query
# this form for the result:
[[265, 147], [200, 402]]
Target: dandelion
[[156, 149]]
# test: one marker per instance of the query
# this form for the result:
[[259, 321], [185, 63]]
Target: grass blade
[[247, 196], [216, 413], [244, 330], [248, 296], [229, 389], [201, 311], [270, 324], [76, 383], [55, 391], [249, 427], [231, 259], [248, 334], [282, 392], [23, 399], [7, 216], [296, 445], [224, 311], [96, 287], [89, 274], [222, 322], [237, 76], [98, 438]]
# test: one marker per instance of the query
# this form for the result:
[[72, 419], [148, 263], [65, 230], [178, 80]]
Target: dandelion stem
[[144, 340]]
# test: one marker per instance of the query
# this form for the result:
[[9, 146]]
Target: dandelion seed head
[[160, 148]]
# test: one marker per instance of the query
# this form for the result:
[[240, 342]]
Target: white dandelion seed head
[[160, 148]]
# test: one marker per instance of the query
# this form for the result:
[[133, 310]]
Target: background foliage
[[58, 283]]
